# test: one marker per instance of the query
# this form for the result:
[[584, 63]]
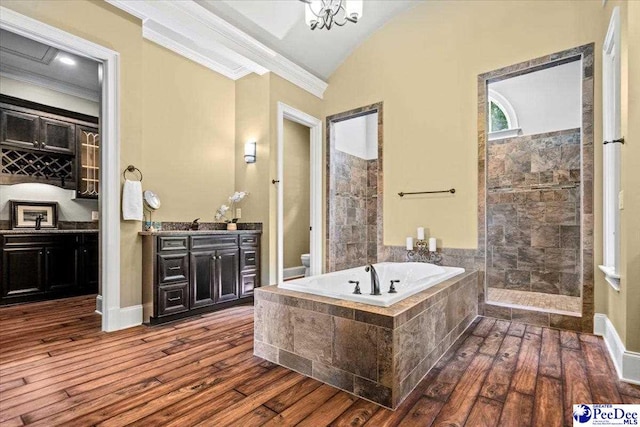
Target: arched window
[[498, 118], [503, 122]]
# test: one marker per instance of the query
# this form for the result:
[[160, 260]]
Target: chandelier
[[321, 14]]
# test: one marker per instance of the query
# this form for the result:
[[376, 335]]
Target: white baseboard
[[627, 363], [130, 316], [293, 272], [124, 318], [99, 304]]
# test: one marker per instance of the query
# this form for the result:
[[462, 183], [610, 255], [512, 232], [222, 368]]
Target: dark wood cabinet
[[43, 144], [47, 266], [57, 135], [194, 272], [60, 265], [19, 129], [22, 272]]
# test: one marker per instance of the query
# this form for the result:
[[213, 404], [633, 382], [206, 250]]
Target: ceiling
[[279, 24], [239, 37], [32, 62]]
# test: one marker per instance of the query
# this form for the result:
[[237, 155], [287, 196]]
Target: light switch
[[238, 213], [95, 215]]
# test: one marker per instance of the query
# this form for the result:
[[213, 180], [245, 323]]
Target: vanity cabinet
[[42, 266], [196, 272]]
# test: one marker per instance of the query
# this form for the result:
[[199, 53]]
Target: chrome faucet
[[375, 281]]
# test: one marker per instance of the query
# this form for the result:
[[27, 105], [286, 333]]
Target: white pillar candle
[[420, 233], [409, 243], [432, 244]]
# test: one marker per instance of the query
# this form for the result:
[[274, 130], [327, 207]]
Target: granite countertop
[[48, 231], [174, 232]]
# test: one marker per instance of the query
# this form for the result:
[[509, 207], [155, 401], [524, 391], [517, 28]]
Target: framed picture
[[26, 214]]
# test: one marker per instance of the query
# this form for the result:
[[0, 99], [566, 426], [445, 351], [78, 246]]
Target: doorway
[[286, 112], [108, 172]]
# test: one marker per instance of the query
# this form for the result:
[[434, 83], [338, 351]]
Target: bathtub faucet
[[375, 281]]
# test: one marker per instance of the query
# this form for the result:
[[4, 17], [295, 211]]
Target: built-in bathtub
[[375, 352], [413, 277]]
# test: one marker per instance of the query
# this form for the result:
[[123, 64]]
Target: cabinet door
[[19, 129], [227, 275], [88, 161], [203, 275], [22, 273], [57, 136], [90, 265], [60, 267]]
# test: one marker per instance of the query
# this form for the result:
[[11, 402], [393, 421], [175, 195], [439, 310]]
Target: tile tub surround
[[377, 353], [584, 254]]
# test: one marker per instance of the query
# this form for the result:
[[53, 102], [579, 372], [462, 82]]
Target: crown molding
[[192, 31], [48, 82], [160, 35]]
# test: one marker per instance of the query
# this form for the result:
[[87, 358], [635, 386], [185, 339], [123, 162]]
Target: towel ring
[[132, 169]]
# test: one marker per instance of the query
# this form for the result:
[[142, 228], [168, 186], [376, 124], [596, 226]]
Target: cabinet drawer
[[249, 259], [214, 241], [178, 243], [173, 299], [39, 239], [248, 281], [249, 240], [172, 267]]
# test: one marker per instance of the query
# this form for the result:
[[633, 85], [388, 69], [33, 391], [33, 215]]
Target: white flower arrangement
[[235, 198]]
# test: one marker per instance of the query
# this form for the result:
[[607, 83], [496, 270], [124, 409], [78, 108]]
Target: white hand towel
[[132, 200]]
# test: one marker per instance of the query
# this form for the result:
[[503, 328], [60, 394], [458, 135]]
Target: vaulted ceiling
[[236, 38]]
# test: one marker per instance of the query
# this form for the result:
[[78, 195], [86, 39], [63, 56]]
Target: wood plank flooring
[[57, 368]]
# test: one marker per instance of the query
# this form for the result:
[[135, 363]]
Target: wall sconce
[[250, 152]]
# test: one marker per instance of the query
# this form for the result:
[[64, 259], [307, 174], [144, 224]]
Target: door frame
[[315, 162], [109, 202]]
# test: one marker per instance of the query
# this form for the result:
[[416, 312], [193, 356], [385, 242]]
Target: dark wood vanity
[[191, 272], [43, 265]]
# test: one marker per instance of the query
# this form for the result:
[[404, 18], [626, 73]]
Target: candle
[[432, 244], [409, 243], [420, 233]]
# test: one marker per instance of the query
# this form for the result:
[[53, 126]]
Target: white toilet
[[306, 263]]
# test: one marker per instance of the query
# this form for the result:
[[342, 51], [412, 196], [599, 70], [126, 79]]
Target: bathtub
[[414, 277]]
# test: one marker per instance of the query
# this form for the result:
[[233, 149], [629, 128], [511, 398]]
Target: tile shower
[[533, 219], [353, 211]]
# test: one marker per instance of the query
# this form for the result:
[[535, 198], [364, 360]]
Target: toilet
[[306, 263]]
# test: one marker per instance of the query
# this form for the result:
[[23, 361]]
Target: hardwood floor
[[57, 368]]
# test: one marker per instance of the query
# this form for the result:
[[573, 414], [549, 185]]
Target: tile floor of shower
[[560, 304]]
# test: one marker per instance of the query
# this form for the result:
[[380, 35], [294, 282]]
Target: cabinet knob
[[219, 256], [44, 144], [35, 143]]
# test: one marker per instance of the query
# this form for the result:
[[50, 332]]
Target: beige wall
[[188, 135], [252, 124], [297, 203], [424, 65]]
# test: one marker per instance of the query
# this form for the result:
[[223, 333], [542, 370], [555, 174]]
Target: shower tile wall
[[533, 213], [353, 212]]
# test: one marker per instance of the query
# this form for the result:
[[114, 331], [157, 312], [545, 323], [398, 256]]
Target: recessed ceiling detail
[[35, 63]]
